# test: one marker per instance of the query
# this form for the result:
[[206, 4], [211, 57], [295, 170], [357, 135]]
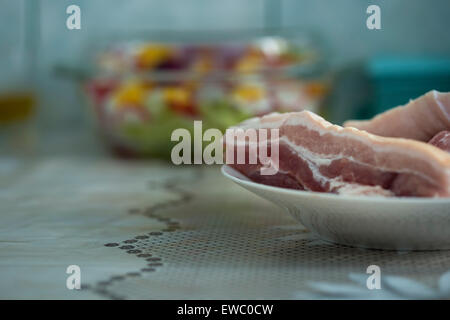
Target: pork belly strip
[[441, 140], [319, 156], [420, 119]]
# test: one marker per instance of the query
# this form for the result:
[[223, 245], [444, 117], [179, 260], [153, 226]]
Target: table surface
[[147, 230]]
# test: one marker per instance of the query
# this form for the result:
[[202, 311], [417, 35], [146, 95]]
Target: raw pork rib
[[319, 156], [420, 119]]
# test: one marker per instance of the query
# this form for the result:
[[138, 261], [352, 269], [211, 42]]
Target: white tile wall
[[409, 26]]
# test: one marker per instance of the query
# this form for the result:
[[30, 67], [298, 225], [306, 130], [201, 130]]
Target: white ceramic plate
[[361, 221]]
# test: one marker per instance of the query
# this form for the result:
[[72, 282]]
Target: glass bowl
[[140, 89]]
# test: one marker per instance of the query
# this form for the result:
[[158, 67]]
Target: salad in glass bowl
[[141, 91]]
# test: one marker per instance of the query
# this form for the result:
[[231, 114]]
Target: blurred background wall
[[408, 26]]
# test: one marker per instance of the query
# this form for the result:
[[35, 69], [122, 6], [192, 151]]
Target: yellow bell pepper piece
[[151, 55], [249, 93]]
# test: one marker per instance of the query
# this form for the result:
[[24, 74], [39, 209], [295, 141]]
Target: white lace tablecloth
[[151, 231]]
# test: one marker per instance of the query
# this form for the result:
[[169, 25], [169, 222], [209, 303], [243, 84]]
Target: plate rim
[[233, 175]]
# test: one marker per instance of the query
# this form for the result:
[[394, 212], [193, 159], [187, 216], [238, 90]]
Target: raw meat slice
[[405, 183], [441, 140], [319, 156], [420, 119]]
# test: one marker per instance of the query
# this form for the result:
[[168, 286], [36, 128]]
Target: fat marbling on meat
[[318, 156]]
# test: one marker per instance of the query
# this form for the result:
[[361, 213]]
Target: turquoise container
[[396, 80]]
